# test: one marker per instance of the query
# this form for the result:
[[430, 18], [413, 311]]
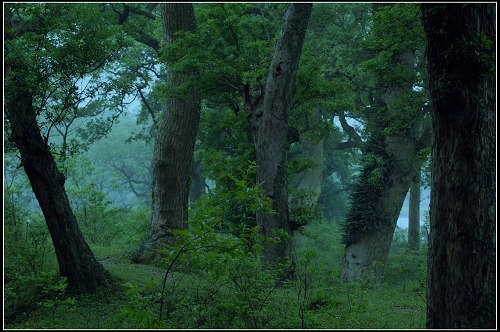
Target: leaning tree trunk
[[461, 62], [76, 261], [414, 214], [376, 205], [174, 144], [380, 192], [272, 133], [391, 162]]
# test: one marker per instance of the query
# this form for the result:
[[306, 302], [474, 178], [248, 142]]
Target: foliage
[[223, 140], [302, 209], [57, 59], [56, 297], [238, 293], [397, 37], [212, 277], [27, 292], [234, 201], [232, 47], [28, 249], [364, 214], [217, 248], [137, 311]]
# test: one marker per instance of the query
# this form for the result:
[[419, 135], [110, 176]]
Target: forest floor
[[398, 301]]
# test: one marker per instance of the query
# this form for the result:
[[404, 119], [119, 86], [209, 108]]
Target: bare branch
[[148, 107], [349, 129]]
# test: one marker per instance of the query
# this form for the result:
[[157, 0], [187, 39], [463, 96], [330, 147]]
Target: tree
[[334, 38], [174, 142], [397, 133], [48, 47], [271, 135], [414, 214], [461, 285]]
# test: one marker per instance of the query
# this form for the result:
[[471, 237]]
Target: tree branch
[[148, 107], [349, 129]]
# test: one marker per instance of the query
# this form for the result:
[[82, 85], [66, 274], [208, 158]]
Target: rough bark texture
[[76, 260], [414, 214], [271, 136], [174, 144], [461, 274]]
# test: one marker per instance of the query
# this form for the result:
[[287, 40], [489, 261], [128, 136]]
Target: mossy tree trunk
[[376, 204], [391, 158]]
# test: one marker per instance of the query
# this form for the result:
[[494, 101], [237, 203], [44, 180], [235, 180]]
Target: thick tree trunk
[[76, 261], [271, 136], [376, 203], [174, 144], [414, 214], [461, 61], [375, 210], [375, 207]]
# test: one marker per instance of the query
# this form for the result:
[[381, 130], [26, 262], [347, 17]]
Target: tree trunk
[[375, 209], [391, 162], [461, 284], [198, 183], [272, 133], [76, 261], [414, 214], [174, 144], [376, 203]]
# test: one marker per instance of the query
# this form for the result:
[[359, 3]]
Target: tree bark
[[461, 284], [271, 135], [414, 214], [174, 144], [76, 261]]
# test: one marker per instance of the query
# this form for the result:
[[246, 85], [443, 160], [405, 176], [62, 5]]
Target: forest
[[249, 165]]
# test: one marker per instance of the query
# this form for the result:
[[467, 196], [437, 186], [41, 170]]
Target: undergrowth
[[212, 278]]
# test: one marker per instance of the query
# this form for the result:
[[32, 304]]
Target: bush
[[26, 292]]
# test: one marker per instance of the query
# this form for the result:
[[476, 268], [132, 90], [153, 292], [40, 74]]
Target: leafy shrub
[[138, 310], [55, 297], [27, 291]]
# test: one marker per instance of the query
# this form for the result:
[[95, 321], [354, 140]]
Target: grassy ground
[[395, 303]]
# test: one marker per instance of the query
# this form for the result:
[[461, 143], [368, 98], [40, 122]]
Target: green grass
[[397, 303]]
